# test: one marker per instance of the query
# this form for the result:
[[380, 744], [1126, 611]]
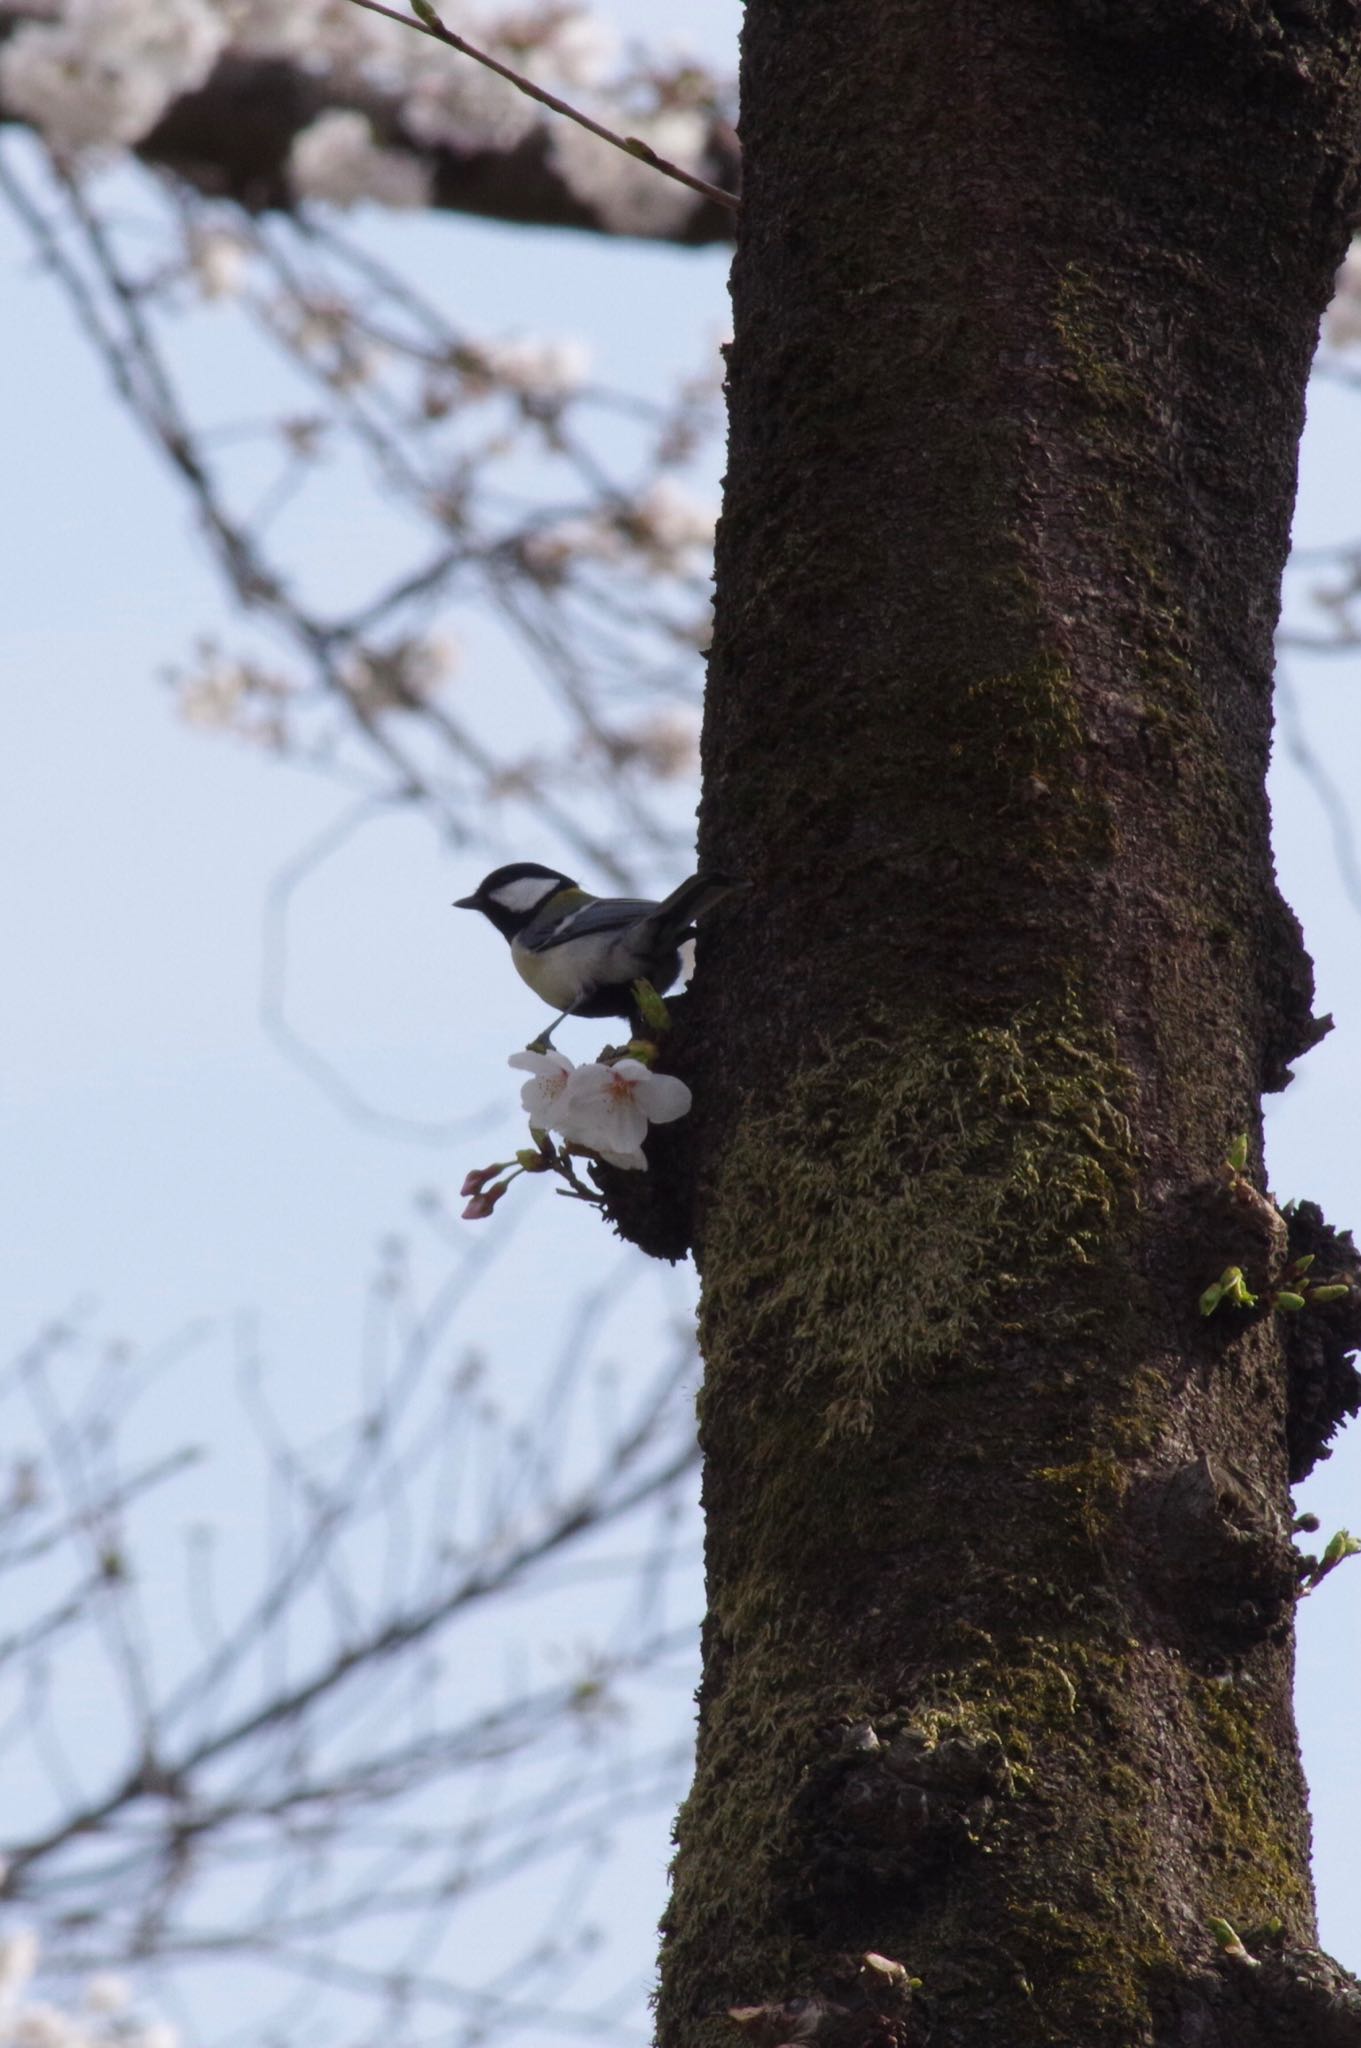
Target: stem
[[429, 24]]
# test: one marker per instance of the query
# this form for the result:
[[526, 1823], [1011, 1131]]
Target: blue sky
[[160, 1159]]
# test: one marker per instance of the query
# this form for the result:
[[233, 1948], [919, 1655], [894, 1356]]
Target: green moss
[[1087, 323], [926, 1170], [1248, 1794], [1016, 749], [1085, 1497]]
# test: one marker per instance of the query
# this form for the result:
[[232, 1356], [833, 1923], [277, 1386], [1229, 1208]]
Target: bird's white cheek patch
[[526, 894]]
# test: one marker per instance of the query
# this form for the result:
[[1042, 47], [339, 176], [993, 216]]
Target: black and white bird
[[583, 953]]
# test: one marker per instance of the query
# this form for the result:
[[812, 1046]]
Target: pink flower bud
[[482, 1204], [475, 1181]]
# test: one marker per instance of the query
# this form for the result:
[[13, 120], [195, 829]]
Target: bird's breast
[[555, 979]]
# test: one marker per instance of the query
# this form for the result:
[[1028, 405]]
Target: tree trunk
[[998, 1658]]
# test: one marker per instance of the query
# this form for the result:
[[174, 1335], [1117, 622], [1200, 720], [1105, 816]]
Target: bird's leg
[[545, 1039]]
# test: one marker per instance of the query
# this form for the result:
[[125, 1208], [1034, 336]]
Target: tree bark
[[998, 1657]]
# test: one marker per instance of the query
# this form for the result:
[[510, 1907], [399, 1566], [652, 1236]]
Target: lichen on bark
[[950, 1173]]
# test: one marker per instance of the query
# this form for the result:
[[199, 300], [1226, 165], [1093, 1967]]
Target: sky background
[[161, 1163]]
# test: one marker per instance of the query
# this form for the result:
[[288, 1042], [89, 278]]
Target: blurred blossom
[[462, 105], [36, 2023], [224, 695], [400, 678], [276, 28], [218, 261], [18, 1961], [338, 161], [535, 368], [103, 75], [551, 551], [671, 524], [580, 47], [666, 745], [107, 1992], [627, 195]]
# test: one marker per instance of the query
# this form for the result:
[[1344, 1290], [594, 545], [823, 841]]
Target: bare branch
[[428, 23]]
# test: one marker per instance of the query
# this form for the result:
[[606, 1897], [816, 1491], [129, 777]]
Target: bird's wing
[[606, 914]]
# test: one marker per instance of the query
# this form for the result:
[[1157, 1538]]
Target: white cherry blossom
[[542, 1095], [103, 74], [607, 1109], [462, 105], [337, 160], [627, 195]]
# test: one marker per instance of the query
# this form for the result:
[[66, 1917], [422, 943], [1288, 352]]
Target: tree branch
[[231, 139]]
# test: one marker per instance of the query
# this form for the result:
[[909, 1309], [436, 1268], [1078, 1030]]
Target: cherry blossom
[[105, 73], [541, 1097], [607, 1109], [337, 160]]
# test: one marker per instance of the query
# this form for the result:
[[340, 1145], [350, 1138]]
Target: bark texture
[[998, 1659]]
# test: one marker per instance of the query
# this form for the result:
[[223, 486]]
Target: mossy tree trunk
[[998, 1658]]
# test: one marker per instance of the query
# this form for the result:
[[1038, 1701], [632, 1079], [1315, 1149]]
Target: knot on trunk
[[872, 2006], [889, 1813], [1223, 1561], [1266, 1994]]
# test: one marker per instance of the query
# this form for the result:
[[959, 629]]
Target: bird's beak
[[466, 903]]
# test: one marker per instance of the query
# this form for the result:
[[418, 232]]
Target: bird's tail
[[674, 917]]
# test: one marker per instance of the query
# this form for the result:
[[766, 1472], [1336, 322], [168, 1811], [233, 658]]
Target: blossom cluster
[[102, 74], [220, 694], [103, 2020], [337, 160], [665, 526], [602, 1108]]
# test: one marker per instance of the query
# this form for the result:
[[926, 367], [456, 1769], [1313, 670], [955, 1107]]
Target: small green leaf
[[1302, 1265], [1228, 1942], [1319, 1295], [1231, 1287], [1238, 1151], [1285, 1299], [1343, 1544]]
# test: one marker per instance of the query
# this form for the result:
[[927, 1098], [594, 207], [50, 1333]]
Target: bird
[[581, 953]]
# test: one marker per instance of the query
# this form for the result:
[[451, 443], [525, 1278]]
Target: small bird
[[583, 953]]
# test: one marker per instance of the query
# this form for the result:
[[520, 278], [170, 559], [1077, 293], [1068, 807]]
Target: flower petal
[[551, 1072], [598, 1111], [662, 1098]]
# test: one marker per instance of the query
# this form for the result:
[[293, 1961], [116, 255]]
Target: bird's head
[[510, 896]]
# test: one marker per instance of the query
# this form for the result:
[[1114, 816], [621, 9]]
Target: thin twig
[[429, 24]]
